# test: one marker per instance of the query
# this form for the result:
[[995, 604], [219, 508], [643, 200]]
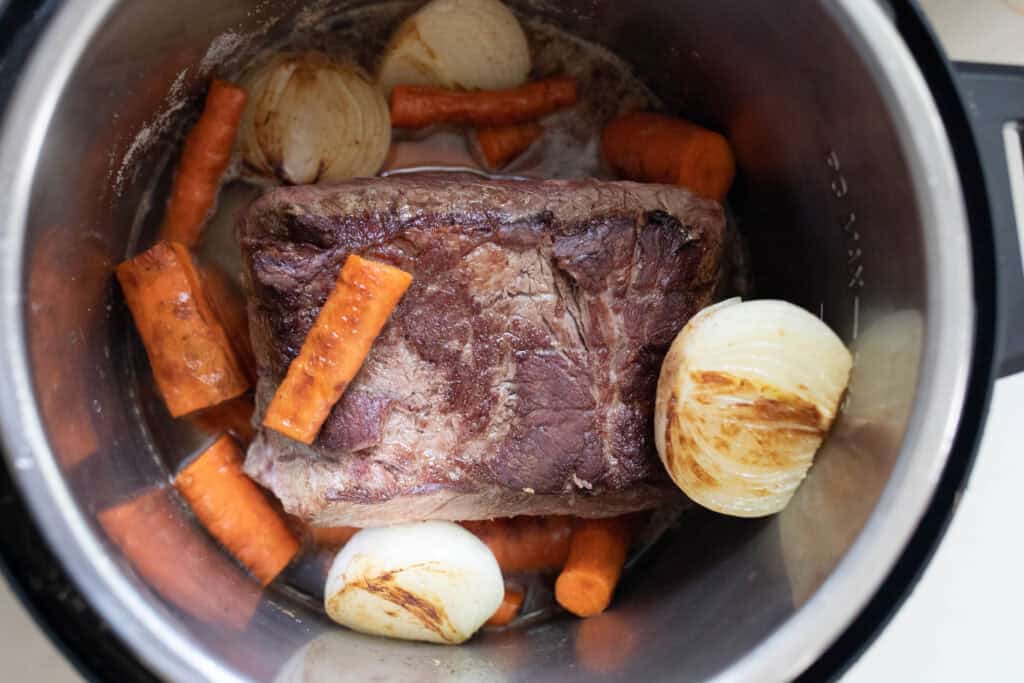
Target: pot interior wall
[[823, 196]]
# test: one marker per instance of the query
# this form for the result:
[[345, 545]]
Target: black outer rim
[[55, 603], [31, 569], [82, 636]]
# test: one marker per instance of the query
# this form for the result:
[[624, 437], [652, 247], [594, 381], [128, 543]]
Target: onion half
[[313, 120], [746, 395], [432, 581]]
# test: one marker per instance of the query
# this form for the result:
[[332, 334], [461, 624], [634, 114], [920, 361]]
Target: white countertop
[[962, 621]]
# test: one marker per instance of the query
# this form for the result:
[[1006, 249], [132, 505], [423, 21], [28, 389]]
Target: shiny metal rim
[[164, 647], [945, 361], [173, 654]]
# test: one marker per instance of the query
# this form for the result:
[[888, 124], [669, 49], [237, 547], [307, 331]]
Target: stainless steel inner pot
[[852, 206]]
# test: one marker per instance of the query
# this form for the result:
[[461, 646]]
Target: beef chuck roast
[[518, 373]]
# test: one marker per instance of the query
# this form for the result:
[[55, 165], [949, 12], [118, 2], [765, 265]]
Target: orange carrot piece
[[509, 607], [204, 159], [192, 360], [236, 511], [596, 555], [233, 416], [333, 537], [499, 145], [416, 106], [526, 544], [228, 304], [335, 348], [655, 148], [178, 563]]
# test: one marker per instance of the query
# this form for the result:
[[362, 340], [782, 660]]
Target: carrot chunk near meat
[[655, 148], [204, 159], [236, 511], [333, 537], [509, 607], [526, 544], [193, 362], [228, 305], [417, 106], [233, 416], [596, 555], [499, 145], [339, 341], [182, 566]]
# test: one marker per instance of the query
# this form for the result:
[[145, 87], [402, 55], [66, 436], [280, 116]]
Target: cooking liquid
[[569, 148]]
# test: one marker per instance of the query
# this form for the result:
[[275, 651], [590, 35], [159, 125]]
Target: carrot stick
[[508, 609], [333, 537], [236, 512], [416, 106], [336, 346], [499, 145], [204, 159], [526, 544], [228, 304], [182, 566], [233, 416], [596, 555], [660, 149], [192, 359]]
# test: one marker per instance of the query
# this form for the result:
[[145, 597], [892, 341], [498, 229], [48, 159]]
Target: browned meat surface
[[517, 376]]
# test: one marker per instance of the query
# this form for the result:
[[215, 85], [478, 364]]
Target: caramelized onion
[[746, 395], [432, 581]]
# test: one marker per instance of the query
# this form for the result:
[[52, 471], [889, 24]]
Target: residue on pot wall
[[568, 149], [166, 124], [163, 121]]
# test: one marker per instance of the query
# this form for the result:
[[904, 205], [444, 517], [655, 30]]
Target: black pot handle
[[994, 99]]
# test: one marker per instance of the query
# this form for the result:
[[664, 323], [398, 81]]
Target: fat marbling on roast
[[518, 373]]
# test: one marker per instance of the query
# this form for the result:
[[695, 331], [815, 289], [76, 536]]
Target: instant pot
[[875, 188]]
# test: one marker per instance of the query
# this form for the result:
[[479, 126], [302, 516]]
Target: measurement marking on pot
[[856, 315], [839, 187], [848, 224], [855, 278]]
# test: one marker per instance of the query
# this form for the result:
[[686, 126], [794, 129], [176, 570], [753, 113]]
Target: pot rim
[[944, 367], [173, 653]]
